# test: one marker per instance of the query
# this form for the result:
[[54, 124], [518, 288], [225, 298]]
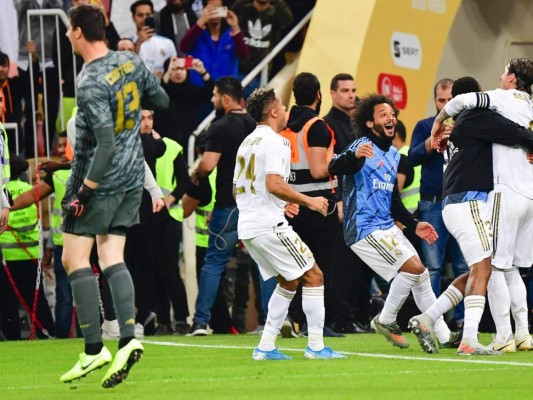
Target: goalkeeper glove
[[76, 204]]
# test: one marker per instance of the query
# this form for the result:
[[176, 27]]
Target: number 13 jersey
[[109, 96]]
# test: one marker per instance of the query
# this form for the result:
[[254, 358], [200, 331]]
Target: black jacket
[[470, 166]]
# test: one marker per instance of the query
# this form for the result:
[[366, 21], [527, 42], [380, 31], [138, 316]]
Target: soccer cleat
[[422, 326], [87, 364], [327, 353], [287, 330], [122, 363], [524, 344], [272, 355], [392, 332], [197, 329], [110, 330], [471, 347], [454, 341], [508, 347]]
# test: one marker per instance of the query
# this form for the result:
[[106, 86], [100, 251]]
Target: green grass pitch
[[220, 367]]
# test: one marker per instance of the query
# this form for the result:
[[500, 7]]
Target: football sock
[[399, 290], [474, 306], [278, 307], [446, 301], [87, 298], [123, 293], [424, 299], [313, 307], [500, 305], [518, 294]]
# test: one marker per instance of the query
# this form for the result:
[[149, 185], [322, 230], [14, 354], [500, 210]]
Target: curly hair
[[364, 109], [258, 104]]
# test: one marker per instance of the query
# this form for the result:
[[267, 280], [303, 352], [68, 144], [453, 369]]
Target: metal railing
[[261, 68], [58, 14]]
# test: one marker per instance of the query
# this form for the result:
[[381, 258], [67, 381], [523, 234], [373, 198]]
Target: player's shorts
[[280, 252], [385, 251], [512, 225], [106, 214], [469, 223]]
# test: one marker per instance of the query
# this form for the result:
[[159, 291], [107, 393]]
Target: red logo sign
[[393, 86]]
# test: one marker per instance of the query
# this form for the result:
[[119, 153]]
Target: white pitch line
[[463, 359]]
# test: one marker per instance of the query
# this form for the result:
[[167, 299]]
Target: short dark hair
[[522, 68], [364, 109], [18, 165], [339, 77], [258, 104], [443, 84], [229, 86], [133, 7], [204, 2], [90, 20], [4, 59], [466, 84], [400, 130], [305, 87]]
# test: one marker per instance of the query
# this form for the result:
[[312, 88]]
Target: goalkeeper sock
[[123, 293]]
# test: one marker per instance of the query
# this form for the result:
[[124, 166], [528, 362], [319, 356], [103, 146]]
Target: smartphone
[[188, 62], [221, 12], [149, 21]]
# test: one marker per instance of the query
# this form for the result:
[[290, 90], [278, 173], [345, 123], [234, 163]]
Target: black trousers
[[351, 279], [24, 274], [168, 283]]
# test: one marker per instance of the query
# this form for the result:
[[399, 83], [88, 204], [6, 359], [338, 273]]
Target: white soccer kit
[[385, 251], [262, 226], [469, 223], [513, 175]]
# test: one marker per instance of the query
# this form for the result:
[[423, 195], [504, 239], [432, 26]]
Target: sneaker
[[471, 347], [325, 354], [122, 363], [273, 355], [110, 330], [328, 332], [454, 341], [524, 344], [508, 347], [197, 329], [422, 326], [181, 328], [87, 364], [163, 330], [257, 331], [287, 330], [392, 332], [139, 331]]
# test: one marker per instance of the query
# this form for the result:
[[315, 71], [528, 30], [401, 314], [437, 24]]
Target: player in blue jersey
[[372, 203]]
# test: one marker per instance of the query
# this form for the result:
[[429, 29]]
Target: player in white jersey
[[511, 202], [261, 191]]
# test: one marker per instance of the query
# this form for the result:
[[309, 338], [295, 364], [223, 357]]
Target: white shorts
[[512, 224], [385, 251], [469, 224], [280, 252]]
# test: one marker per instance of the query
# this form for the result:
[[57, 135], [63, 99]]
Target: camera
[[220, 12], [149, 21], [188, 62]]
